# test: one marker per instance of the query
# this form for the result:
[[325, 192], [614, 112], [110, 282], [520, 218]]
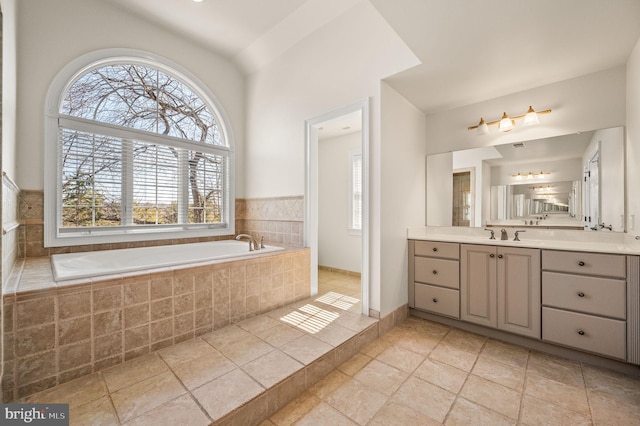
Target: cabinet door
[[478, 284], [519, 291]]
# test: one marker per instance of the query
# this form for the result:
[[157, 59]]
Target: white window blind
[[114, 178]]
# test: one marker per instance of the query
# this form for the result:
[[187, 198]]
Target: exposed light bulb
[[506, 124], [531, 117]]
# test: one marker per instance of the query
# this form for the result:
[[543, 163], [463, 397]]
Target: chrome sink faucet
[[503, 234], [253, 245]]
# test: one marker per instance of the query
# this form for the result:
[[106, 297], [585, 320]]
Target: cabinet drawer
[[445, 273], [586, 332], [438, 300], [600, 296], [437, 249], [608, 265]]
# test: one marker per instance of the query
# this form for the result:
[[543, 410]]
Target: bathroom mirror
[[568, 182]]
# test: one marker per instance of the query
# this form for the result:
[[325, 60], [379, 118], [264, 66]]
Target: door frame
[[311, 192]]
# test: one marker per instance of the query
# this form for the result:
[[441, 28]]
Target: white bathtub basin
[[95, 263]]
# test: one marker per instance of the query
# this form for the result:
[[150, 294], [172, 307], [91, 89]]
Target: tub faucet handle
[[252, 243]]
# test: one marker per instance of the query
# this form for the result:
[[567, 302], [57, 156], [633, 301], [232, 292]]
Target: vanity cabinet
[[584, 298], [586, 301], [500, 288], [434, 277]]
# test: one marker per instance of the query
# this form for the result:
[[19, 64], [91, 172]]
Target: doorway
[[463, 211], [329, 225]]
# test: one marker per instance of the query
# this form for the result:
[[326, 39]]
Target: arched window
[[141, 153]]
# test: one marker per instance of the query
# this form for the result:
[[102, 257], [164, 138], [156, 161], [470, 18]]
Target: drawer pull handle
[[435, 300], [500, 256], [581, 263], [492, 255], [435, 249], [580, 294], [435, 272], [580, 332]]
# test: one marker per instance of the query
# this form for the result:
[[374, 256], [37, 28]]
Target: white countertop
[[601, 242]]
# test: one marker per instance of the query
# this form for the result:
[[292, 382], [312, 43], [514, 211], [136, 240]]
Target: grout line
[[524, 386], [455, 400], [586, 391], [108, 392], [186, 389]]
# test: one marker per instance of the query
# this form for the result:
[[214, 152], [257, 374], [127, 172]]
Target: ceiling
[[557, 148], [470, 50], [340, 126]]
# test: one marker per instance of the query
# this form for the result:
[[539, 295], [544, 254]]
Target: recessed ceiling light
[[198, 1]]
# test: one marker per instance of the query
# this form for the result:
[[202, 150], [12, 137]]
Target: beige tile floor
[[418, 373], [199, 381], [348, 285], [423, 373]]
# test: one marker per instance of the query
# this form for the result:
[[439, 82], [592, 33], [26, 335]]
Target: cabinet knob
[[435, 249], [580, 332], [435, 272], [435, 300], [581, 263], [492, 255], [500, 256], [580, 294]]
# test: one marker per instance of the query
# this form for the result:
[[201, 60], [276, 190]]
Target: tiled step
[[240, 374]]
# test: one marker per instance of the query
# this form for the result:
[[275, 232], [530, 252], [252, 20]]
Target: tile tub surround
[[56, 334], [240, 374], [279, 220]]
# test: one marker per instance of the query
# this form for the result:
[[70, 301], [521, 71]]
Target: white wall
[[337, 246], [633, 140], [339, 64], [611, 204], [402, 191], [611, 176], [474, 159], [439, 176], [562, 170], [590, 102], [9, 96], [53, 33]]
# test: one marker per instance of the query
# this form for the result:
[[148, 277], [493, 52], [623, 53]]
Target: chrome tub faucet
[[253, 245]]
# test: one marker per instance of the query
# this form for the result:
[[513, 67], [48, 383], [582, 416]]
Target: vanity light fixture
[[483, 128], [506, 123], [540, 188], [530, 175]]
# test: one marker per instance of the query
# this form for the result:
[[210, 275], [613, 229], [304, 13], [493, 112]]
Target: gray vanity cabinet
[[581, 300], [584, 301], [500, 288], [434, 277]]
